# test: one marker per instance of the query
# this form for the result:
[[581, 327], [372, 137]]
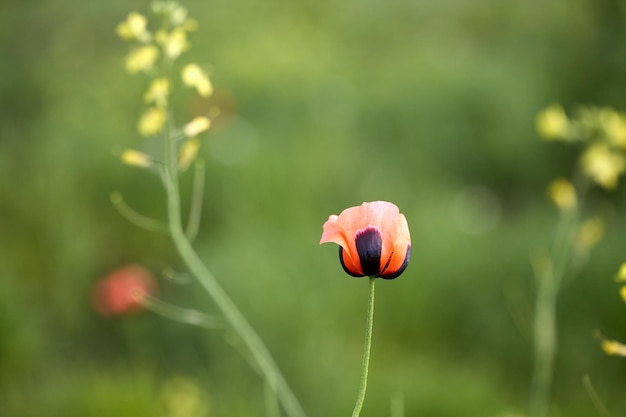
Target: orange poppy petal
[[350, 265], [397, 264], [380, 214], [333, 233], [399, 258]]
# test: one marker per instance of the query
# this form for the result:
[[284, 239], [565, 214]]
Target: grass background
[[325, 104]]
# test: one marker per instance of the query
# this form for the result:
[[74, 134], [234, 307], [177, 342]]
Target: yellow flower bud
[[135, 158], [590, 233], [151, 121], [158, 92], [611, 347], [614, 125], [142, 59], [562, 194], [194, 76], [197, 126], [178, 15], [134, 27], [552, 123], [603, 165], [621, 275], [174, 43], [188, 153]]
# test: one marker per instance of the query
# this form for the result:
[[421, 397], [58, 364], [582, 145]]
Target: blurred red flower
[[120, 292], [373, 239]]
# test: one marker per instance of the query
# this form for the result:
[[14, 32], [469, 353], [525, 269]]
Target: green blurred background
[[325, 104]]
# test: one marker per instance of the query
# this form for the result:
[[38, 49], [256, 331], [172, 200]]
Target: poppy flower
[[120, 292], [373, 239]]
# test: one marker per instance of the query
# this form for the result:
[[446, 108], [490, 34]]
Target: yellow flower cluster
[[168, 43], [613, 347], [601, 130]]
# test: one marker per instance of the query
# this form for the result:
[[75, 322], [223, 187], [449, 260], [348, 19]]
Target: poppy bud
[[373, 239], [121, 291]]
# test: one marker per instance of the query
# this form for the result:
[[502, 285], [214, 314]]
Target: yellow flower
[[151, 122], [188, 153], [603, 165], [142, 59], [158, 92], [197, 126], [194, 76], [182, 397], [611, 347], [178, 15], [134, 27], [562, 194], [621, 275], [552, 123], [135, 158], [614, 124], [622, 293], [590, 233], [174, 43]]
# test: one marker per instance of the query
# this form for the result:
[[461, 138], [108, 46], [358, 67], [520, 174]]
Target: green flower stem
[[366, 352], [231, 313], [549, 279]]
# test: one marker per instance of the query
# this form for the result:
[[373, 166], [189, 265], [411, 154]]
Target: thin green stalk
[[136, 218], [545, 343], [183, 315], [231, 313], [366, 351], [195, 210], [549, 279]]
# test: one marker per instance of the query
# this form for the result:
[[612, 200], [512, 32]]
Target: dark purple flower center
[[369, 245]]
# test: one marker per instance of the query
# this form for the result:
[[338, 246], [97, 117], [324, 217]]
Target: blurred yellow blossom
[[612, 347], [158, 92], [614, 124], [135, 158], [197, 126], [174, 43], [151, 121], [142, 59], [134, 28], [621, 274], [603, 165], [182, 397], [188, 153], [589, 234], [194, 76], [622, 293], [178, 15], [552, 123], [562, 194]]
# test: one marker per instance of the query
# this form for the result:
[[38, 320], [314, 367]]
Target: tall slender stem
[[231, 313], [366, 351], [549, 279]]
